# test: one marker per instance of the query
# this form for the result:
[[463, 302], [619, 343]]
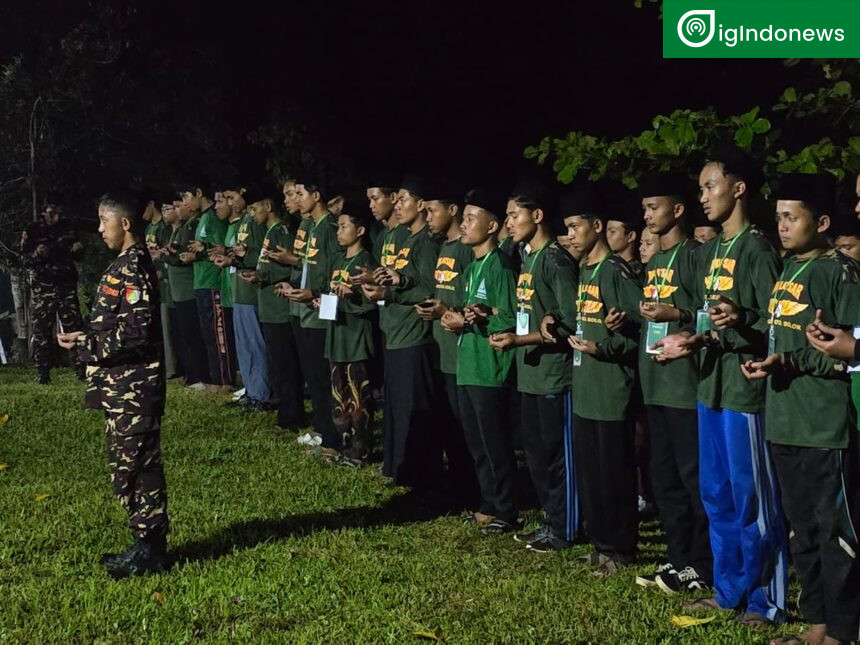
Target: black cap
[[490, 199], [313, 182], [845, 223], [416, 185], [623, 205], [665, 184], [580, 202], [442, 189], [383, 179], [817, 191], [739, 163]]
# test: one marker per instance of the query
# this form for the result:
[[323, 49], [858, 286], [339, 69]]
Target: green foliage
[[807, 132], [278, 547]]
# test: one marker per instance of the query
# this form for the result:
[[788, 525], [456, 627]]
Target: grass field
[[276, 546]]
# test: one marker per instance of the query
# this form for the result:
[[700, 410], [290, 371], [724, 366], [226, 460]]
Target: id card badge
[[577, 355], [703, 321], [771, 340], [655, 332], [522, 323], [328, 306], [304, 282], [232, 269], [380, 303]]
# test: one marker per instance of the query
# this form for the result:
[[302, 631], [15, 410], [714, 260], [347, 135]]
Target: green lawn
[[275, 546]]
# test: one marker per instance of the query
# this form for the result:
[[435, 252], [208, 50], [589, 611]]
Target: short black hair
[[738, 163], [127, 204], [357, 210]]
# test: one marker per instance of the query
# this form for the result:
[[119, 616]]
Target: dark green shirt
[[271, 307], [158, 234], [491, 281], [670, 384], [745, 274], [512, 252], [602, 384], [181, 274], [416, 261], [249, 234], [349, 339], [227, 274], [385, 249], [300, 241], [804, 409], [321, 249], [210, 231], [454, 258], [547, 284]]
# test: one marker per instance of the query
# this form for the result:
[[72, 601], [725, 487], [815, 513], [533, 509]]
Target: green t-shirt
[[211, 231], [180, 274], [416, 262], [349, 339], [491, 281], [602, 384], [321, 249], [385, 249], [512, 252], [271, 307], [670, 278], [744, 270], [804, 409], [227, 274], [248, 234], [158, 234], [300, 241], [546, 284], [454, 258]]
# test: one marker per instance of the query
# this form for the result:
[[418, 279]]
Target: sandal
[[702, 604], [497, 527]]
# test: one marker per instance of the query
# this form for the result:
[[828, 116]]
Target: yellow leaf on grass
[[430, 636], [4, 466], [691, 621], [158, 598], [3, 419], [42, 497]]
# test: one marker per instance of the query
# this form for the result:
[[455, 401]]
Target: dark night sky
[[442, 85]]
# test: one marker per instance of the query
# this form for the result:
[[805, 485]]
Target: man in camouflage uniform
[[124, 354], [49, 249]]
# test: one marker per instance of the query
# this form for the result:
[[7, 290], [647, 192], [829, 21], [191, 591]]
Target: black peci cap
[[817, 191]]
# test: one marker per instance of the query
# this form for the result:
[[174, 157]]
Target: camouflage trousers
[[49, 302], [137, 474], [352, 407]]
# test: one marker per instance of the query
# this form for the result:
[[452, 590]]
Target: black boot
[[115, 559], [81, 372], [43, 375], [148, 555]]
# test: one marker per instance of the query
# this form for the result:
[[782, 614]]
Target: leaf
[[744, 137], [158, 598], [429, 636], [42, 497], [750, 116], [3, 419], [760, 126], [4, 466], [789, 95], [691, 621], [842, 88]]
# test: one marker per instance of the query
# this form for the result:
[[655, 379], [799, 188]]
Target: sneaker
[[310, 439], [238, 394], [497, 527], [685, 580], [531, 536], [238, 403], [650, 579], [549, 543]]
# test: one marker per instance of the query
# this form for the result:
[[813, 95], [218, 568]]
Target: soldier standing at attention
[[50, 248], [124, 354]]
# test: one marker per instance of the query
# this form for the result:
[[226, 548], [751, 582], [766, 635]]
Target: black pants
[[606, 481], [221, 370], [489, 440], [411, 452], [286, 383], [176, 338], [461, 466], [820, 499], [675, 477], [315, 367], [231, 338], [547, 436], [190, 344]]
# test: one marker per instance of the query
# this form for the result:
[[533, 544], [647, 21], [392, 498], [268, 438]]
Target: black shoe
[[666, 569], [81, 372], [548, 543], [530, 536], [148, 556], [238, 403], [685, 580], [115, 559], [497, 527], [43, 376]]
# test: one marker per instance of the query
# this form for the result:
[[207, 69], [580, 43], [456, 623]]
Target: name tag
[[232, 269], [328, 306], [304, 282], [654, 332], [771, 340], [380, 303], [522, 323], [577, 355], [703, 321]]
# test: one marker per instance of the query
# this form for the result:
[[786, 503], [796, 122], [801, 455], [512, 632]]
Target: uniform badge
[[113, 280], [132, 295]]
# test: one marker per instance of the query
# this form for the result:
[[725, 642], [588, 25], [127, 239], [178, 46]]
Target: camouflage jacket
[[57, 266], [123, 348]]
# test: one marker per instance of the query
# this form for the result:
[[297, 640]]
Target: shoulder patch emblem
[[132, 295]]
